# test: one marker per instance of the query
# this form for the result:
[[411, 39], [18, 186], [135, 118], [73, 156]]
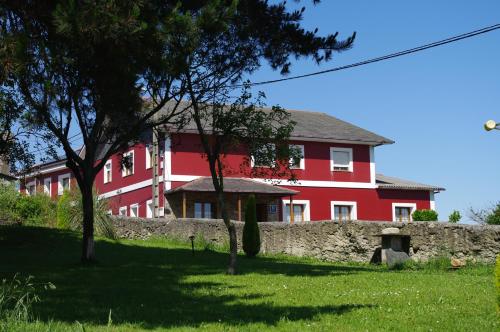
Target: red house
[[336, 179]]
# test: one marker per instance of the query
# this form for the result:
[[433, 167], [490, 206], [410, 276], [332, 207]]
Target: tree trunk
[[233, 240], [88, 251]]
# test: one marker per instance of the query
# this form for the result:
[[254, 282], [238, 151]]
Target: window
[[149, 209], [341, 159], [31, 188], [149, 157], [122, 211], [343, 211], [263, 156], [63, 183], [401, 212], [107, 172], [134, 210], [46, 186], [203, 210], [301, 211], [109, 212], [298, 163], [128, 163]]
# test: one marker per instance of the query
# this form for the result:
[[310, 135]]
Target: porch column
[[184, 204], [239, 207], [292, 217]]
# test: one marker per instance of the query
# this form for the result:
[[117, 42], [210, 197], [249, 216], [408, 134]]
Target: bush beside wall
[[425, 215]]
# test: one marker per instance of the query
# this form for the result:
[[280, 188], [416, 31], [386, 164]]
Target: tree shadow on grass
[[151, 286]]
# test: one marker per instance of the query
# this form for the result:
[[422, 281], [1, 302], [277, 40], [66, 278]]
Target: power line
[[384, 57]]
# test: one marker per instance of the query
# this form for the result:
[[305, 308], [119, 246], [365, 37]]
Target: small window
[[46, 186], [344, 211], [341, 159], [262, 157], [122, 211], [128, 164], [134, 210], [109, 212], [299, 162], [203, 210], [298, 212], [149, 209], [402, 214], [149, 157], [107, 172], [63, 183], [31, 188]]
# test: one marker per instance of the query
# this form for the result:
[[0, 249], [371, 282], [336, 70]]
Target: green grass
[[159, 284]]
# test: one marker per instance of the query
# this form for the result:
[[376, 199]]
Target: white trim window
[[128, 169], [108, 171], [265, 151], [63, 183], [31, 188], [341, 159], [149, 156], [47, 182], [122, 211], [149, 209], [296, 163], [134, 210], [204, 210], [301, 211], [109, 212], [401, 212], [344, 210]]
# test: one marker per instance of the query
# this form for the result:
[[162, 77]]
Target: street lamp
[[490, 125]]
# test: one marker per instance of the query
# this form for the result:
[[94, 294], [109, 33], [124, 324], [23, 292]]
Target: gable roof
[[311, 126], [233, 185], [389, 182]]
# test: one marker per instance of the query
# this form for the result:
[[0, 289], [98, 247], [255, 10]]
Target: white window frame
[[332, 162], [352, 204], [149, 162], [47, 186], [302, 163], [28, 185], [123, 208], [106, 179], [307, 208], [132, 207], [412, 206], [252, 159], [109, 212], [124, 170], [149, 208], [60, 178]]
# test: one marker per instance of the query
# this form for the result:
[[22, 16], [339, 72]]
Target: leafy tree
[[251, 235], [425, 215], [227, 43], [489, 215], [455, 217], [86, 67]]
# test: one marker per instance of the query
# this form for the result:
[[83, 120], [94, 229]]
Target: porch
[[196, 199]]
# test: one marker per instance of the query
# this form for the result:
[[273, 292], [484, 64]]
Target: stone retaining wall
[[355, 241]]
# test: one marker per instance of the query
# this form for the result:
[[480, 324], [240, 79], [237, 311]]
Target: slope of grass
[[159, 284]]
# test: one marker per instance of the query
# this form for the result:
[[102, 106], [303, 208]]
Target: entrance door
[[261, 212]]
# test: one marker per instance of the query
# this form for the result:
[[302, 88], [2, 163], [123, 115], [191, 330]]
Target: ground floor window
[[300, 211], [401, 212], [203, 210], [122, 211], [134, 210], [343, 211]]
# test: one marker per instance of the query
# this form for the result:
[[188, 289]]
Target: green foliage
[[251, 234], [17, 297], [37, 210], [425, 215], [493, 218], [8, 200], [70, 213], [455, 217], [497, 272]]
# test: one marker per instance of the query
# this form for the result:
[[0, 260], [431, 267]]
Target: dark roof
[[389, 182], [233, 185], [7, 177], [316, 126]]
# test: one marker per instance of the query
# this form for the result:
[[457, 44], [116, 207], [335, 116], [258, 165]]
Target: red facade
[[320, 188]]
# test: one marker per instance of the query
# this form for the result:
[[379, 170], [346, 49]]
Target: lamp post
[[491, 124]]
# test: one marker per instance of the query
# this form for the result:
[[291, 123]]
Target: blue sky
[[433, 103]]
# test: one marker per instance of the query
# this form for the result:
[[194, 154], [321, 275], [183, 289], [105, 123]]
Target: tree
[[228, 43], [251, 235], [100, 69], [455, 217], [490, 216]]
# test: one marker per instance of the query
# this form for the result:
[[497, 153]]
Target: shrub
[[37, 210], [8, 199], [494, 217], [70, 214], [425, 215], [251, 235], [455, 217]]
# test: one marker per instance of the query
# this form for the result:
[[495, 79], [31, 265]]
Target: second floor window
[[297, 161], [341, 159], [128, 163], [107, 172], [149, 157]]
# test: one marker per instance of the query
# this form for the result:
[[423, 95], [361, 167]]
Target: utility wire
[[382, 58]]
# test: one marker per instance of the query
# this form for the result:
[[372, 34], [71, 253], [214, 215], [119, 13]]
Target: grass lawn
[[159, 285]]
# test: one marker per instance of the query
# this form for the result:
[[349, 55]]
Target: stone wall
[[355, 241]]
